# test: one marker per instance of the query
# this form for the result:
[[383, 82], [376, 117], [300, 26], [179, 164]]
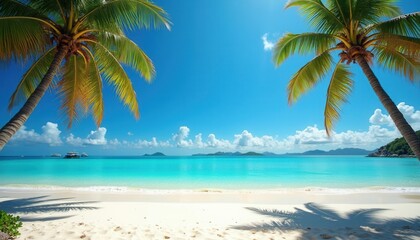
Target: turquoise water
[[212, 172]]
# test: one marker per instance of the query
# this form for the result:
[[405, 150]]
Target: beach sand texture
[[61, 214]]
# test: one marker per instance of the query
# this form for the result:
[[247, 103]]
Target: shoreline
[[129, 189], [284, 196], [72, 214]]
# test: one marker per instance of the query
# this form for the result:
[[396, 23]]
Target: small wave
[[372, 189], [124, 189]]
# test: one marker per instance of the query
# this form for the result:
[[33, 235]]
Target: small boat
[[84, 155], [72, 155]]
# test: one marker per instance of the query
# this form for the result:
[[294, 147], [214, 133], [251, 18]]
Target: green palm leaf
[[405, 25], [318, 15], [302, 44], [83, 41], [56, 9], [31, 78], [406, 65], [341, 9], [22, 44], [71, 87], [407, 45], [16, 8], [368, 12], [126, 13], [361, 38], [127, 52], [339, 88], [114, 73], [93, 89], [308, 76]]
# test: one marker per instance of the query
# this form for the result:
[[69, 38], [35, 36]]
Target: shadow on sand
[[43, 204], [316, 220]]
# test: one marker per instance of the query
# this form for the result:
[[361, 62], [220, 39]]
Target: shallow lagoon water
[[210, 172]]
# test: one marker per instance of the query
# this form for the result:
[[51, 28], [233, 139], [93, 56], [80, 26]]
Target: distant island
[[229, 154], [156, 154], [340, 151], [397, 148]]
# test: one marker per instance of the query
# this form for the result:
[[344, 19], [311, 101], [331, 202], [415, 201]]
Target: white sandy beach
[[291, 214]]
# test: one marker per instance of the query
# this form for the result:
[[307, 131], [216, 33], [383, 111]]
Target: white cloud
[[114, 142], [246, 140], [153, 143], [23, 134], [130, 133], [147, 144], [376, 135], [94, 138], [198, 142], [380, 131], [380, 119], [213, 142], [410, 114], [268, 45], [50, 135], [181, 138], [310, 135], [314, 138], [71, 139]]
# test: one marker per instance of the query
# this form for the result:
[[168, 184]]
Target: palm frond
[[405, 25], [301, 43], [318, 15], [407, 45], [71, 87], [83, 6], [15, 8], [341, 9], [127, 52], [368, 12], [55, 9], [308, 76], [114, 73], [93, 90], [21, 38], [339, 88], [126, 13], [32, 78], [406, 65]]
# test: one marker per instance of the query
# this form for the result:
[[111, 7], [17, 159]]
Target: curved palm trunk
[[10, 128], [405, 129]]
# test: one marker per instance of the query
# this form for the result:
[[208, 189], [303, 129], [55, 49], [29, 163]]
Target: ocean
[[213, 172]]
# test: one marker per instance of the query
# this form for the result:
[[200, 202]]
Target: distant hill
[[397, 148], [313, 152], [156, 154], [218, 154], [339, 151], [229, 154], [252, 154]]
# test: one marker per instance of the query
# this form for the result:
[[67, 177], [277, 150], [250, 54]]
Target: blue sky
[[216, 89]]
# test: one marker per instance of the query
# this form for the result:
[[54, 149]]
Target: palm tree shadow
[[357, 224], [43, 204]]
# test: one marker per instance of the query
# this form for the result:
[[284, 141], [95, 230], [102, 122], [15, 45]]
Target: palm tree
[[74, 45], [355, 29]]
